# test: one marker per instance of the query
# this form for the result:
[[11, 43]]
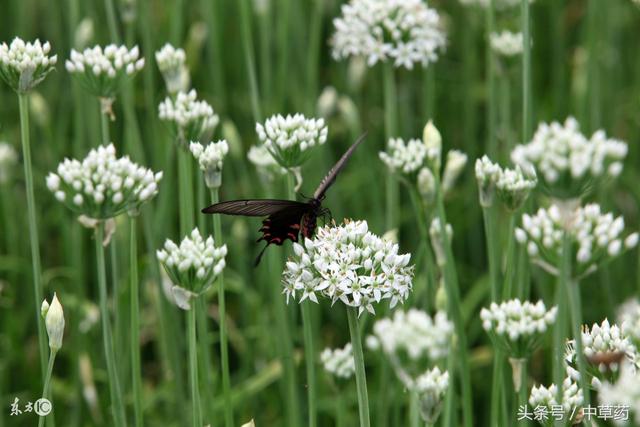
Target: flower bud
[[433, 141], [54, 322]]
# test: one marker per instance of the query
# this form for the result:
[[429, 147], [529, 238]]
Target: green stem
[[524, 388], [247, 45], [490, 64], [361, 378], [34, 241], [559, 338], [573, 291], [283, 42], [510, 264], [390, 125], [526, 71], [496, 387], [224, 351], [414, 410], [114, 382], [111, 21], [185, 190], [422, 220], [453, 298], [309, 355], [493, 250], [47, 383], [136, 374], [104, 125], [193, 368], [313, 56]]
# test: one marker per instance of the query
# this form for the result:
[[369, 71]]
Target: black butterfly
[[285, 218]]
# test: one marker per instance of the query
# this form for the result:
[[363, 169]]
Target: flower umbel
[[512, 186], [572, 399], [102, 71], [24, 65], [347, 263], [339, 362], [506, 43], [517, 326], [210, 158], [192, 266], [102, 186], [406, 32], [190, 119], [290, 139], [431, 388], [171, 62], [406, 158]]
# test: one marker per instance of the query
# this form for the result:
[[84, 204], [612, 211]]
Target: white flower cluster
[[606, 339], [512, 186], [572, 398], [598, 237], [171, 62], [102, 186], [24, 65], [289, 139], [210, 159], [629, 318], [348, 263], [517, 325], [431, 388], [102, 70], [339, 362], [567, 160], [414, 334], [193, 266], [624, 392], [192, 119], [406, 158], [407, 32], [262, 159], [506, 43], [8, 158]]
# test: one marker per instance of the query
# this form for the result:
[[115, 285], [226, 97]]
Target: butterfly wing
[[333, 173], [284, 225], [253, 207]]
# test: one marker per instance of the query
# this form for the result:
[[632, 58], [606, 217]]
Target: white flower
[[624, 392], [404, 158], [605, 339], [512, 186], [566, 160], [260, 156], [506, 43], [339, 361], [415, 334], [24, 65], [101, 71], [592, 233], [191, 119], [347, 263], [406, 32], [456, 161], [54, 322], [572, 398], [629, 319], [8, 158], [171, 62], [192, 267], [517, 325], [431, 388], [210, 159], [290, 139], [102, 186]]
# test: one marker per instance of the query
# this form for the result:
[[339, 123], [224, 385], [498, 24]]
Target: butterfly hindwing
[[284, 225]]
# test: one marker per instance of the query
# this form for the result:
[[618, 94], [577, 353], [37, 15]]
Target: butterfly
[[285, 219]]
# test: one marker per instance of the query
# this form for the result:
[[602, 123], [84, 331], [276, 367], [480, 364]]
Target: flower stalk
[[136, 373], [361, 378]]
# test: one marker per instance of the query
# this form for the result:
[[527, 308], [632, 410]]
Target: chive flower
[[102, 186], [595, 237], [405, 33], [102, 70], [8, 158], [567, 162], [24, 65], [210, 159], [190, 119], [192, 266], [290, 139], [53, 316], [629, 319], [171, 62], [625, 392], [506, 43], [405, 158], [349, 264], [511, 186], [517, 326], [339, 362], [264, 162], [431, 388], [571, 404]]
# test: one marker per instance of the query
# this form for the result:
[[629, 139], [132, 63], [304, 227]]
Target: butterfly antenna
[[259, 257]]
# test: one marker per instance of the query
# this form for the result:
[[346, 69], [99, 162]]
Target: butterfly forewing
[[335, 170], [255, 207]]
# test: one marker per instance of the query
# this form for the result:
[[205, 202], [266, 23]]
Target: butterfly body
[[285, 219]]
